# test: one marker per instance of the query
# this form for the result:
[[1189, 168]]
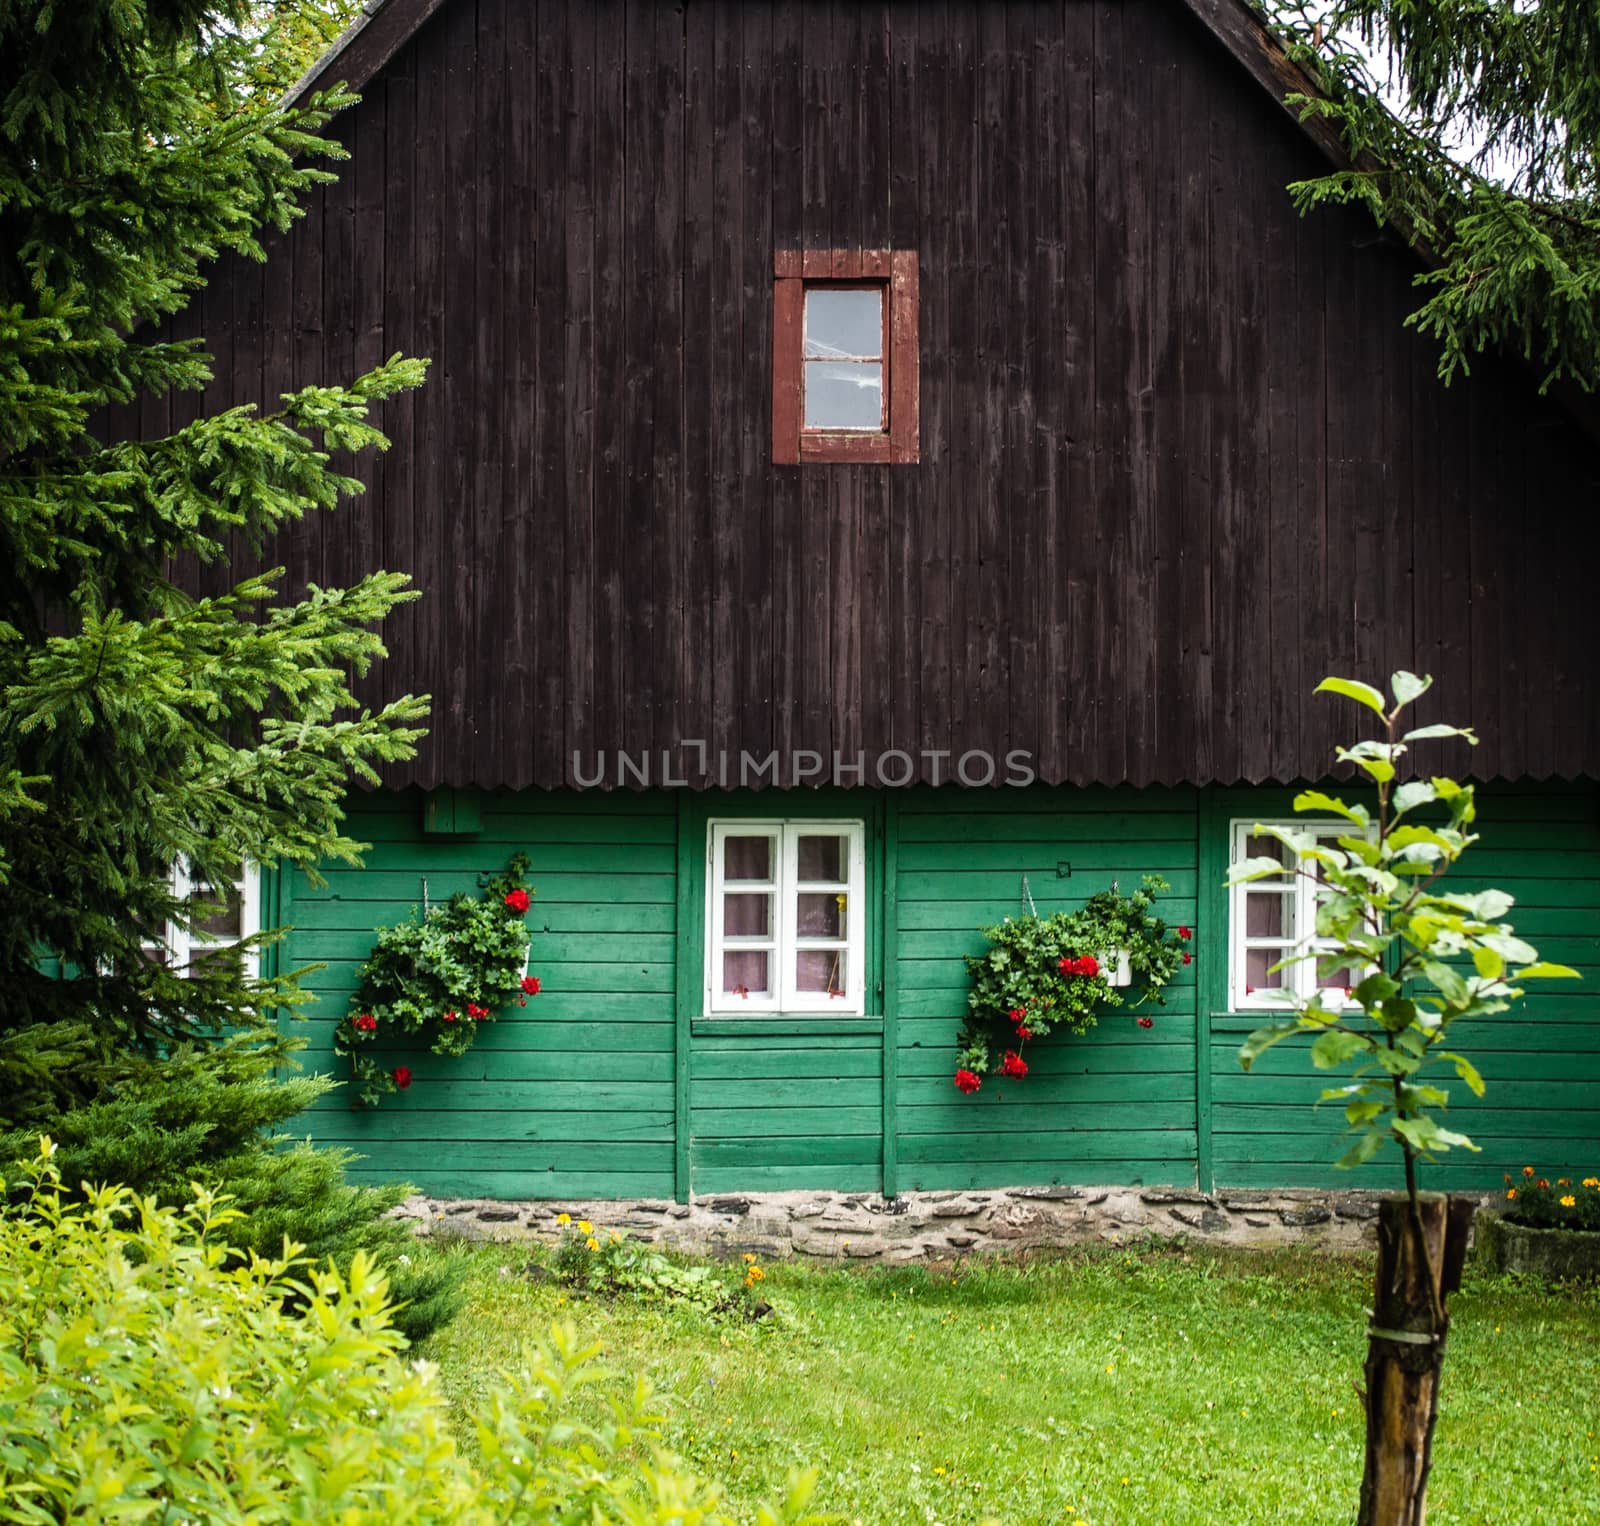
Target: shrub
[[1539, 1203], [150, 1372]]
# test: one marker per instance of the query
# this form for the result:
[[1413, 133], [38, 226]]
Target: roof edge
[[364, 47]]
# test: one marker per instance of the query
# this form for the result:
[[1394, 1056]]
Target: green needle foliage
[[141, 726], [1482, 148], [1433, 957]]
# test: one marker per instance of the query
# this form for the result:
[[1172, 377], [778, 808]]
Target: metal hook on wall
[[1027, 898]]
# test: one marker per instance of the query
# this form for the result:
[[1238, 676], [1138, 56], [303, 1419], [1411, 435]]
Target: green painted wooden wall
[[574, 1094], [612, 1082], [1117, 1104], [1541, 1062]]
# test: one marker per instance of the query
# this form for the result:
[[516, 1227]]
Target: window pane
[[844, 323], [1268, 916], [1257, 973], [819, 971], [221, 913], [747, 916], [1267, 847], [844, 394], [746, 972], [821, 915], [747, 858], [822, 858]]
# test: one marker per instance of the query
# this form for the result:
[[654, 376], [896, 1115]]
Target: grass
[[1157, 1386]]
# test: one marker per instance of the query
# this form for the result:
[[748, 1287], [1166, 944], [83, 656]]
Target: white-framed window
[[1270, 919], [786, 917], [224, 914]]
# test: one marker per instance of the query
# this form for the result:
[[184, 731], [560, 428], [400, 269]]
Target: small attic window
[[844, 357]]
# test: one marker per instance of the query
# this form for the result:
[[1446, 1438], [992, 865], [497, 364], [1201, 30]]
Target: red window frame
[[895, 271]]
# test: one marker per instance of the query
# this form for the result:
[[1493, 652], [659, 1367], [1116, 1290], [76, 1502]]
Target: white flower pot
[[1118, 966]]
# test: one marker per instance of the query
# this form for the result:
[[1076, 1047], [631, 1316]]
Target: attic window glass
[[844, 356], [845, 333]]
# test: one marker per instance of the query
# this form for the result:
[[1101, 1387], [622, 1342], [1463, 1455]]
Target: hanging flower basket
[[438, 979], [1043, 973]]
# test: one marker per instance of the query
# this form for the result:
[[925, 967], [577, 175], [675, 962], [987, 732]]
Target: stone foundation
[[915, 1226]]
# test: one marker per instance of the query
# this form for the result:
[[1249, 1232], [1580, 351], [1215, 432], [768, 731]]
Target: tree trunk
[[1405, 1350]]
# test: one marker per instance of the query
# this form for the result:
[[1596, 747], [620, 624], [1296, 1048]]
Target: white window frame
[[180, 945], [783, 940], [1300, 978]]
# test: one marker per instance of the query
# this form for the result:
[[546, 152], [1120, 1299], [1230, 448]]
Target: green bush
[[149, 1372]]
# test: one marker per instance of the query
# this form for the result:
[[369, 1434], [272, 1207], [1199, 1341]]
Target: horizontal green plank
[[1565, 1091], [456, 1180], [403, 887], [851, 1091], [586, 858], [1004, 1106], [548, 951], [711, 1178], [969, 884], [417, 1119], [1553, 1157], [402, 1157], [1039, 857], [821, 1150], [548, 925], [544, 1036], [951, 1000], [599, 1096], [1059, 1145], [1479, 1118], [709, 1123], [1118, 1030], [1054, 1092], [762, 1062], [1055, 799], [1498, 1067], [968, 916], [1072, 1056], [501, 834], [1039, 826], [976, 1175]]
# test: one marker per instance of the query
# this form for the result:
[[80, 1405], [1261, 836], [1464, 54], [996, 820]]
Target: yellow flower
[[1569, 1201], [757, 1273], [749, 1258], [615, 1238], [585, 1227], [1563, 1181], [1591, 1181], [1511, 1192], [592, 1243], [563, 1218]]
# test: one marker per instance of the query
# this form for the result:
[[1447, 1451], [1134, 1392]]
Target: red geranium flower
[[1183, 932], [1188, 958], [1017, 1014], [517, 900], [365, 1023], [530, 984], [1014, 1064], [449, 1017], [402, 1076], [1088, 965], [1068, 966], [474, 1011], [967, 1082], [1147, 1022]]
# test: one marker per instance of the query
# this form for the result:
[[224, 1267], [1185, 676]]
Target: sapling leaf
[[1488, 962], [1467, 1071], [1315, 800], [1262, 1040], [1350, 688], [1407, 687], [1366, 1146], [1336, 1046], [1543, 970], [1428, 733]]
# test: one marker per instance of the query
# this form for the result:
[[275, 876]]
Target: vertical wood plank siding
[[1179, 458], [1541, 1061]]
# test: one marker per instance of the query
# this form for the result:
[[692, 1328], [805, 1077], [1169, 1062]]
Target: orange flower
[[1527, 1170], [1544, 1181], [1511, 1192]]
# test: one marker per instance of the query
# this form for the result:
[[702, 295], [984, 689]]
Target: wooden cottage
[[914, 450]]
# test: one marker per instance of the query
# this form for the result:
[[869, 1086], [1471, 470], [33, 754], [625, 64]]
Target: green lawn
[[1162, 1387]]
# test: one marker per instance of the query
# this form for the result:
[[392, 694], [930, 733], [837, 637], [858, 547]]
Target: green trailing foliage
[[1043, 973], [1480, 145], [439, 978], [143, 726], [150, 1372], [1431, 956]]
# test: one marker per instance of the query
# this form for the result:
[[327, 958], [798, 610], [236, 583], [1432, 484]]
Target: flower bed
[[1549, 1229]]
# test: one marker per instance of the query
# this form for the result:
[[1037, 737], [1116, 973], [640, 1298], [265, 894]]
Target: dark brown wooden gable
[[1179, 460]]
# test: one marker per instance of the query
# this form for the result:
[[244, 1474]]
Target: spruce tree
[[141, 725], [1473, 130]]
